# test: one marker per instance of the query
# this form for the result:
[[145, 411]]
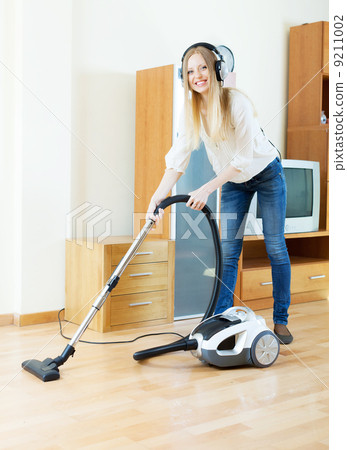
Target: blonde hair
[[218, 110], [219, 105]]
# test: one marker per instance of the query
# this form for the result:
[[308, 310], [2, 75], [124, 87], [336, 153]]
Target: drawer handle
[[140, 304], [316, 276], [144, 253], [141, 274], [266, 283]]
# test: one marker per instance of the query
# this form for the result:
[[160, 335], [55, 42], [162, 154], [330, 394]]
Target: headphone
[[221, 67]]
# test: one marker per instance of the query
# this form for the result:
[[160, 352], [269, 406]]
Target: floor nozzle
[[46, 370]]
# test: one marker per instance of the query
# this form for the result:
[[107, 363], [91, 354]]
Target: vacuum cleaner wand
[[47, 370]]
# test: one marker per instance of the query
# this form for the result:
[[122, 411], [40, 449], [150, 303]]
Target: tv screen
[[299, 193]]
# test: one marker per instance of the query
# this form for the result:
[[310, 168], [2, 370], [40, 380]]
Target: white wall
[[44, 153], [80, 59], [35, 150], [7, 267]]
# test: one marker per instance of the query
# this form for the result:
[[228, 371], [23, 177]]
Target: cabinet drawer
[[310, 277], [305, 277], [138, 307], [256, 284], [150, 251], [142, 278]]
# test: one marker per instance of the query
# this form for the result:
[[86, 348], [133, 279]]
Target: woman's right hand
[[150, 211], [169, 179]]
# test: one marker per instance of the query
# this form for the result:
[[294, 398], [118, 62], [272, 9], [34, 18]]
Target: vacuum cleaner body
[[235, 338]]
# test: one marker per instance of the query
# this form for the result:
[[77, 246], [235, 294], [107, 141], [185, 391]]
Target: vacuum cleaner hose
[[217, 247], [185, 344]]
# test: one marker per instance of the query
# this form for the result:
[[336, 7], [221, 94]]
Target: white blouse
[[246, 148]]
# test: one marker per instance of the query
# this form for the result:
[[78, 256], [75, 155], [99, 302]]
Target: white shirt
[[246, 148]]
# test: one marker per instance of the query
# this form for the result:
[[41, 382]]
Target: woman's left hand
[[198, 199]]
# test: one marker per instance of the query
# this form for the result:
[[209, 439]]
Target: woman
[[244, 161]]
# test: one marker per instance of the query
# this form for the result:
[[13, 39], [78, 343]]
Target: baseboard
[[21, 320], [6, 319]]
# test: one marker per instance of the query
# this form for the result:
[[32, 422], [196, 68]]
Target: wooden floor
[[106, 400]]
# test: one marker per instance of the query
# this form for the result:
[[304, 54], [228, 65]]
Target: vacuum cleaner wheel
[[265, 349]]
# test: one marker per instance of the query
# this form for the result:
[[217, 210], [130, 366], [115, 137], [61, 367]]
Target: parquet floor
[[106, 400]]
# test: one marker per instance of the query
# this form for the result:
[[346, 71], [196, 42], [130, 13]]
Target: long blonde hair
[[218, 110]]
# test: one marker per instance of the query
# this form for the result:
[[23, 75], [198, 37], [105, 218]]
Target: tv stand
[[309, 256]]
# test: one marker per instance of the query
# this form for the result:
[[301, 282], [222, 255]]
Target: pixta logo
[[81, 224]]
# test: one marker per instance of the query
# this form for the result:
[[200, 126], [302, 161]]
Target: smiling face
[[198, 74]]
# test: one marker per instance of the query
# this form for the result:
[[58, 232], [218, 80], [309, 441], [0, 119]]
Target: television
[[303, 199]]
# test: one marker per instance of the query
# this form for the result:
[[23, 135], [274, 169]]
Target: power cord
[[112, 342]]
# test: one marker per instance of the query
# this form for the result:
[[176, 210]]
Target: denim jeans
[[271, 189]]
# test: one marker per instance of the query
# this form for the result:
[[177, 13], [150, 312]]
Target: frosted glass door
[[194, 253]]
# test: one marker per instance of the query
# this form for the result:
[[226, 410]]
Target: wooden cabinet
[[308, 90], [309, 256], [144, 294], [307, 139]]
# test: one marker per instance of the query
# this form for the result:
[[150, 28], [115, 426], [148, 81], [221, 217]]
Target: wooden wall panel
[[154, 110], [305, 78]]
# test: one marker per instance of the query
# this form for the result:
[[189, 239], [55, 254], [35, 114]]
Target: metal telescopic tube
[[97, 305], [90, 316], [132, 251]]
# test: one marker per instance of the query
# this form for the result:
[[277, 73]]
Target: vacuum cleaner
[[236, 337]]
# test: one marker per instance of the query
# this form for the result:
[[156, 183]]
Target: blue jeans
[[271, 189]]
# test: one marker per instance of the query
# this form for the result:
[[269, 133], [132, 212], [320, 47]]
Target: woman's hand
[[150, 211], [198, 199], [169, 179]]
